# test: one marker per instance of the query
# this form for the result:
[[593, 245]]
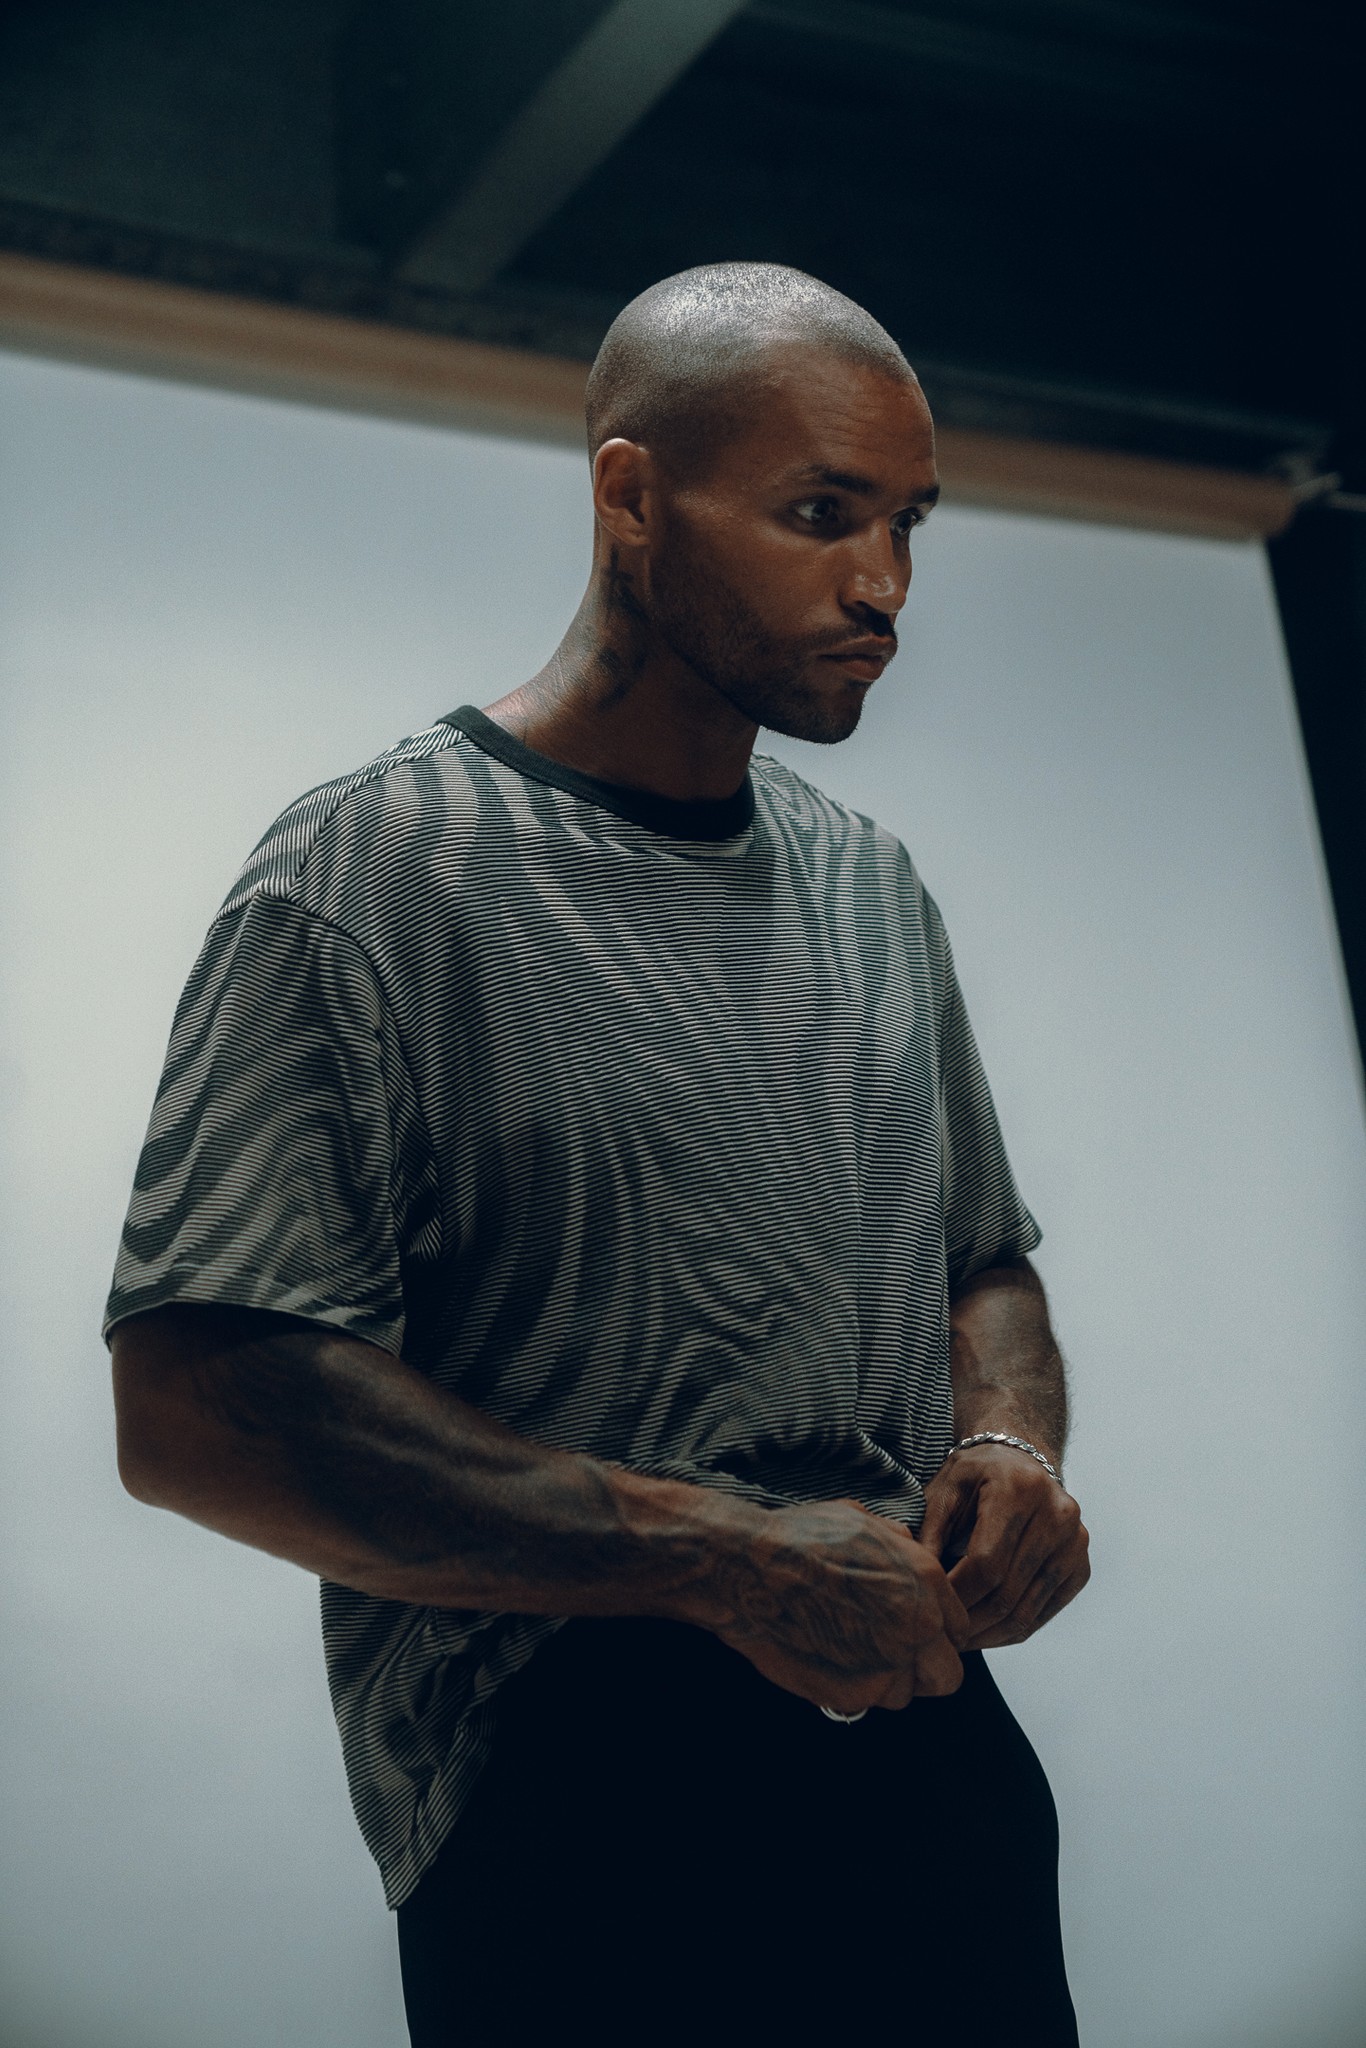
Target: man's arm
[[328, 1452], [1024, 1548]]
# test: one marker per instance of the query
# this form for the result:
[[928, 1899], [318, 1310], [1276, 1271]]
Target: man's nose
[[879, 580]]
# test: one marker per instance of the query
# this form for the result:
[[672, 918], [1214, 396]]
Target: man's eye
[[817, 511], [903, 523]]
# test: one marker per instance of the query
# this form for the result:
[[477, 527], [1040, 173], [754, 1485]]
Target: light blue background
[[210, 603]]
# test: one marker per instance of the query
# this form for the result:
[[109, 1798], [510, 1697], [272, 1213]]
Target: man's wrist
[[686, 1542], [1007, 1418], [1009, 1440]]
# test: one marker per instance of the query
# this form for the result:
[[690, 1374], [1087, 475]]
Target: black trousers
[[667, 1848]]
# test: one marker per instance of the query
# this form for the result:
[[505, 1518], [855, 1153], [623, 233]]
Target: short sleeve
[[985, 1219], [284, 1166]]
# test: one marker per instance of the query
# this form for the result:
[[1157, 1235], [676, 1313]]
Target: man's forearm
[[1006, 1368], [322, 1450], [325, 1451]]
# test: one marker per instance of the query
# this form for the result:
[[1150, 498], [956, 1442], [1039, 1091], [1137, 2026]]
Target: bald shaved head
[[762, 453], [681, 368]]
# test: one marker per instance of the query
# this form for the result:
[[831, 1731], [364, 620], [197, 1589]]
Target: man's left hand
[[1026, 1553]]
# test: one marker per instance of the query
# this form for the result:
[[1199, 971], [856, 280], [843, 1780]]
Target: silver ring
[[833, 1714]]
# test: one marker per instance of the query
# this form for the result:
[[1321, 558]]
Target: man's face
[[778, 575]]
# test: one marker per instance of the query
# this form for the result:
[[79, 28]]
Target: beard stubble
[[707, 623]]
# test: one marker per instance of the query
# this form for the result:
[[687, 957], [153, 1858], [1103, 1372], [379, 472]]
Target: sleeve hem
[[192, 1292], [970, 1260]]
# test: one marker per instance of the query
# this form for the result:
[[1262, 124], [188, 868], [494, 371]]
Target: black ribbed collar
[[707, 818]]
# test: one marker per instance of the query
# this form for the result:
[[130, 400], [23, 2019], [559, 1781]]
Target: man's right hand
[[840, 1606]]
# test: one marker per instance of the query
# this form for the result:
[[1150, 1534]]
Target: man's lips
[[865, 658]]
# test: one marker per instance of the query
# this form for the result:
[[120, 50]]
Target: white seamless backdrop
[[1088, 743]]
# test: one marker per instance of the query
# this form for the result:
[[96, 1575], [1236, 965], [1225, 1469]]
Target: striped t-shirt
[[654, 1129]]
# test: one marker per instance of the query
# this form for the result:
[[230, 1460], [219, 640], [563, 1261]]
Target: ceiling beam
[[577, 115], [178, 332]]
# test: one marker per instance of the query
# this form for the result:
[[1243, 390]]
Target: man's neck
[[615, 704]]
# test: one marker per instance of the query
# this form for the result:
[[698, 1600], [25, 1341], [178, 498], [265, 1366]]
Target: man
[[574, 1224]]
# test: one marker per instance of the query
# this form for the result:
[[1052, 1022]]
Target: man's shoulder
[[336, 822], [851, 840], [794, 800]]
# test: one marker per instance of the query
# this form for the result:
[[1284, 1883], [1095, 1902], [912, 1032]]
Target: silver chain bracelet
[[1017, 1443]]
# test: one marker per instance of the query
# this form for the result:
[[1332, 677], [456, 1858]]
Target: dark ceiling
[[1126, 223]]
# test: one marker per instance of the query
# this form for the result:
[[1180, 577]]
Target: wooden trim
[[1113, 489], [176, 331]]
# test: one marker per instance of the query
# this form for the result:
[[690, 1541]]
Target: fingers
[[1067, 1591], [997, 1554], [1058, 1581], [979, 1574], [957, 1621], [1026, 1559], [1017, 1542], [1020, 1621], [932, 1630], [954, 1618], [859, 1612], [1018, 1627], [946, 1500], [935, 1670], [935, 1667], [938, 1669]]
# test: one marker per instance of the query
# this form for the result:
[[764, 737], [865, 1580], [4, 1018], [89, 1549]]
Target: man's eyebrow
[[858, 486]]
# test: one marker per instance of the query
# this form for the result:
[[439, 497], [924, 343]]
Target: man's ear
[[625, 491]]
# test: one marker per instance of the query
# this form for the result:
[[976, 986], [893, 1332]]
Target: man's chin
[[825, 717]]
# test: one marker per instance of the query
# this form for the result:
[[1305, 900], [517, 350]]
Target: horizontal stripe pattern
[[663, 1148]]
